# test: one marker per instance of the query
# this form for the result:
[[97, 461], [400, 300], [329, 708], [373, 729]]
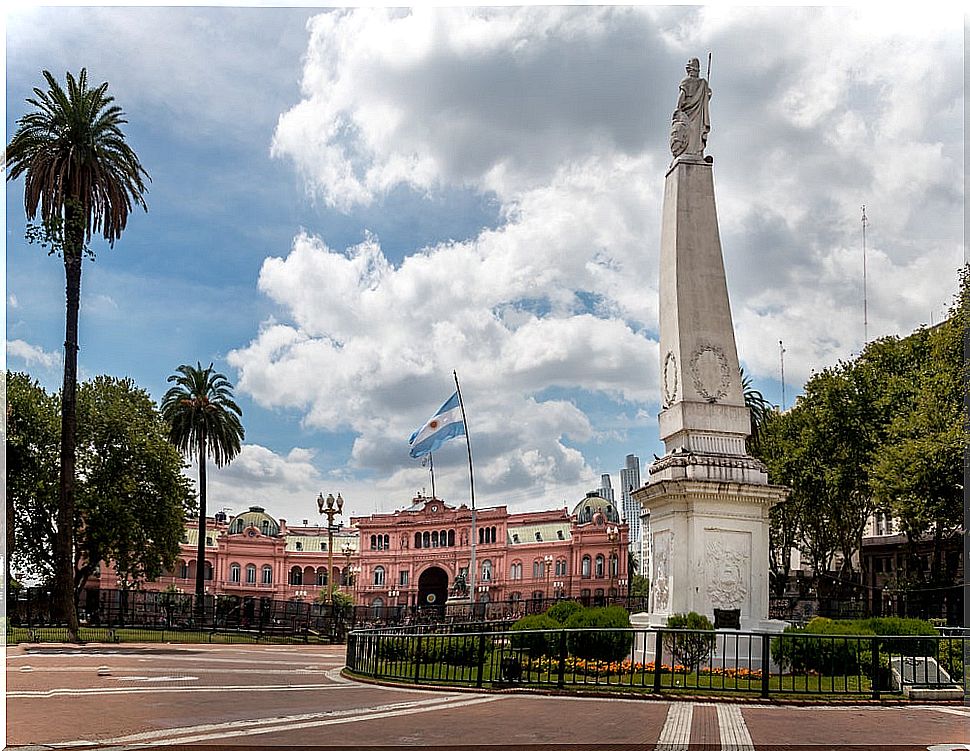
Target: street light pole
[[613, 536], [547, 560], [326, 506]]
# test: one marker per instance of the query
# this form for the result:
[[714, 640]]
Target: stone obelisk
[[708, 498]]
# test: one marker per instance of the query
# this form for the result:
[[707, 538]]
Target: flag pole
[[472, 578]]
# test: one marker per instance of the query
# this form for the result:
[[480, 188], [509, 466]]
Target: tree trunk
[[200, 555], [64, 601]]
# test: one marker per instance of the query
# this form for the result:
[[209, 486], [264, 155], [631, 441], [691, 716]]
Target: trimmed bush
[[609, 646], [903, 627], [563, 610], [829, 654], [453, 650], [535, 645], [690, 649]]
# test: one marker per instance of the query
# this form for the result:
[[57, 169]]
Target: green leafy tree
[[690, 648], [134, 497], [757, 405], [131, 494], [83, 178], [204, 421]]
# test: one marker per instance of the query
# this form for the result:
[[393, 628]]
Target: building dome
[[257, 518], [592, 504]]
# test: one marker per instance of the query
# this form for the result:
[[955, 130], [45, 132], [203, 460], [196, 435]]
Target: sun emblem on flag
[[433, 424]]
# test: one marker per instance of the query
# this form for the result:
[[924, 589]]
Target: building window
[[417, 539], [207, 574], [486, 535], [208, 541], [377, 605], [537, 569], [516, 596], [267, 574], [538, 536], [600, 572], [561, 567], [515, 571], [537, 595], [614, 565], [403, 578], [426, 540], [373, 542], [451, 538], [234, 570], [515, 537], [434, 539], [265, 526], [183, 570], [387, 542], [486, 570], [586, 567], [299, 545], [379, 576], [321, 575], [560, 535], [251, 574]]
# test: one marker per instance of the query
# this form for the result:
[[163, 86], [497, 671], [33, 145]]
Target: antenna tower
[[865, 300], [781, 355]]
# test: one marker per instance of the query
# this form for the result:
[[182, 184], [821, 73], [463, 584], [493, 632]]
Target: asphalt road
[[158, 696]]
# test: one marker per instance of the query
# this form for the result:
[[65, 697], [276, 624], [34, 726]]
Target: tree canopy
[[881, 432], [132, 497]]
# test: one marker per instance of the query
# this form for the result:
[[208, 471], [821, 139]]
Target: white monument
[[708, 498]]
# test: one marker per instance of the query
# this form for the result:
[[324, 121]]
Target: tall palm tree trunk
[[200, 555], [64, 550]]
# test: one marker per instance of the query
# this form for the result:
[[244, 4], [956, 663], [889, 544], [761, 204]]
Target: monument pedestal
[[710, 546]]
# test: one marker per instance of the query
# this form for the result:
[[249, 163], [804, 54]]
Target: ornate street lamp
[[327, 506], [613, 536], [547, 561]]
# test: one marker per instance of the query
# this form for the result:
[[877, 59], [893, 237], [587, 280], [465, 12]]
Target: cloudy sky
[[348, 205]]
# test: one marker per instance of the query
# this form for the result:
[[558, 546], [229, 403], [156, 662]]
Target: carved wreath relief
[[662, 542], [710, 372], [727, 571], [670, 378]]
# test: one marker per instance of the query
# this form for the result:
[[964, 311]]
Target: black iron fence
[[111, 614], [668, 661]]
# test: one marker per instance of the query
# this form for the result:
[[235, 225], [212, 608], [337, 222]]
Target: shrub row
[[609, 646], [453, 650]]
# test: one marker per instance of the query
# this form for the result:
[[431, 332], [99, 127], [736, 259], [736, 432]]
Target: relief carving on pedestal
[[710, 372], [728, 565], [669, 377], [660, 581]]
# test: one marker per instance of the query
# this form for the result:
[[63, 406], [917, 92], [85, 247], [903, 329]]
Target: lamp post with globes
[[613, 536], [348, 551], [331, 507], [547, 562]]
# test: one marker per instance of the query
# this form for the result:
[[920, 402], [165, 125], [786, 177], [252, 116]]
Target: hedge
[[610, 646], [539, 644]]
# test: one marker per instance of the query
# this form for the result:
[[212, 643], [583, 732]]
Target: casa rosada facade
[[413, 556]]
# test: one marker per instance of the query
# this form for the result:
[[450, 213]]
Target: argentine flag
[[446, 423]]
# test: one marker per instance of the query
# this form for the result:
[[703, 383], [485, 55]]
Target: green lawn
[[639, 681], [87, 634]]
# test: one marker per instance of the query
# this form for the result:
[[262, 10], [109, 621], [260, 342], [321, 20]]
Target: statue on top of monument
[[691, 121]]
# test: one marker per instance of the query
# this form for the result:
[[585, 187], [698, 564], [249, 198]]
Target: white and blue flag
[[444, 424]]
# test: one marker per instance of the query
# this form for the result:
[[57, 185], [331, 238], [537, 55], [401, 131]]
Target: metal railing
[[668, 661]]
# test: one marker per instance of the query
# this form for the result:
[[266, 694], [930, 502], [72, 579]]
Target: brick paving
[[250, 696]]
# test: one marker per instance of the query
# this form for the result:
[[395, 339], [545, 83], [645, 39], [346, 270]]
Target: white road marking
[[155, 678], [675, 735], [280, 724], [175, 689], [732, 730], [952, 710]]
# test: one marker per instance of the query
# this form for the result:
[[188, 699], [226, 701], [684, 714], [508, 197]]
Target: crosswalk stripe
[[675, 735], [732, 729]]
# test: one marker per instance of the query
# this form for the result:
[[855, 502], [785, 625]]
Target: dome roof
[[255, 517], [587, 508]]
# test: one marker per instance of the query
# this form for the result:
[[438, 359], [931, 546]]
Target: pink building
[[411, 556], [254, 555]]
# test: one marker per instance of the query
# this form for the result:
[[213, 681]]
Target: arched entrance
[[432, 588]]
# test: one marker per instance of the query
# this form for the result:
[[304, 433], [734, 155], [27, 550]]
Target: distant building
[[632, 512], [605, 489], [411, 556]]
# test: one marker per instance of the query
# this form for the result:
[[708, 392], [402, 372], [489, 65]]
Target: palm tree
[[203, 421], [759, 407], [83, 178]]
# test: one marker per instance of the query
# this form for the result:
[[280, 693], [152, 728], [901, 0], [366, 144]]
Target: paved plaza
[[243, 696]]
